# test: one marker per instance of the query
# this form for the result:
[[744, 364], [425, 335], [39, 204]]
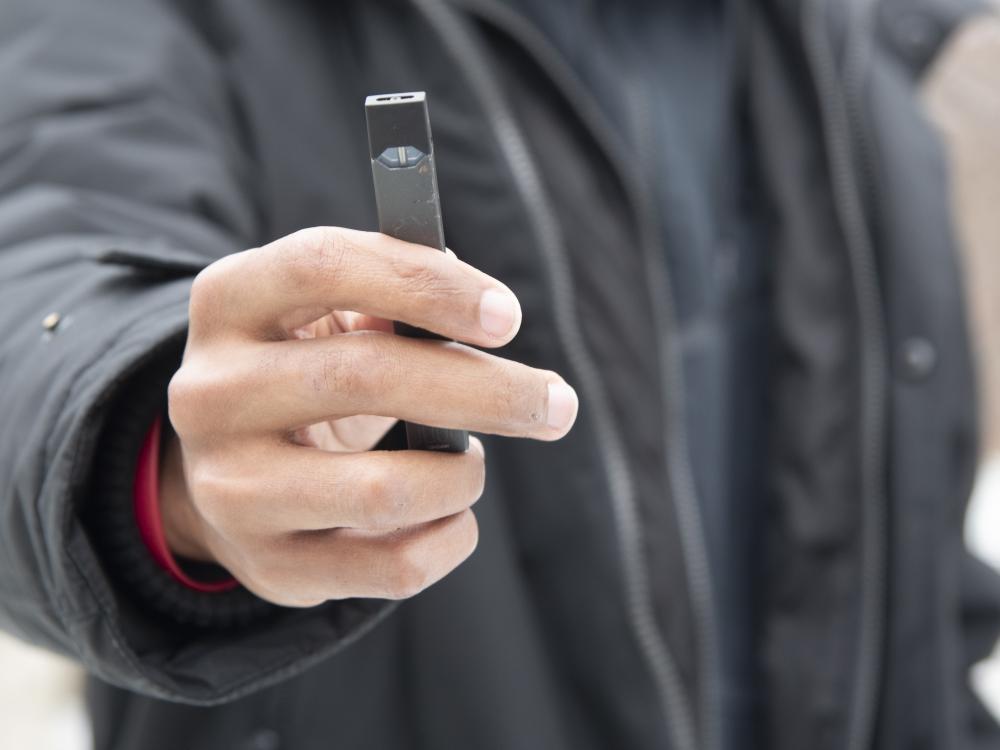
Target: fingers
[[291, 366], [281, 386], [269, 291], [290, 488], [309, 568]]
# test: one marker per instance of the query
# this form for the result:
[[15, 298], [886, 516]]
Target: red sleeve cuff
[[146, 500]]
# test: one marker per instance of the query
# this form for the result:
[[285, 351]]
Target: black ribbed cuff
[[109, 514]]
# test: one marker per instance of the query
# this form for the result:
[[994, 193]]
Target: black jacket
[[140, 140]]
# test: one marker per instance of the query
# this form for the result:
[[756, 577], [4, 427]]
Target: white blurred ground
[[982, 529], [40, 706]]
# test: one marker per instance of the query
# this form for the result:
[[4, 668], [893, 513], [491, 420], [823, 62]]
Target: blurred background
[[40, 694]]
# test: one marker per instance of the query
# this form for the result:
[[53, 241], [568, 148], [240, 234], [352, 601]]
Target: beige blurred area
[[962, 94], [40, 703]]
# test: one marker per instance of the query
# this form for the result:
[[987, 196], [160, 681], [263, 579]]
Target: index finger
[[271, 290]]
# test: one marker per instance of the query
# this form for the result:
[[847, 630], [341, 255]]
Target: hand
[[292, 374]]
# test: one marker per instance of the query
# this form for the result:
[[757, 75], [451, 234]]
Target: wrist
[[181, 522], [150, 520]]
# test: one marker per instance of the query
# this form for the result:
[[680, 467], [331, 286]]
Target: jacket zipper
[[681, 724], [683, 488], [843, 134]]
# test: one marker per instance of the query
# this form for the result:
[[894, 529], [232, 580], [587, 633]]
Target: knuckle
[[194, 399], [207, 290], [183, 400], [408, 573], [178, 402], [415, 273], [362, 367], [515, 398], [266, 569], [382, 499], [217, 497], [411, 567], [422, 279], [319, 252], [380, 360], [203, 288], [339, 370], [532, 387], [261, 577]]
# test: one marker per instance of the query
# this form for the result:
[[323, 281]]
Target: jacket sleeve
[[122, 172]]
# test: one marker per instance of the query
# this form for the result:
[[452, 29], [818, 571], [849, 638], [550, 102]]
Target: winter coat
[[141, 140]]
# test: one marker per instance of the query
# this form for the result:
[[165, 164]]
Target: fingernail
[[497, 313], [562, 406]]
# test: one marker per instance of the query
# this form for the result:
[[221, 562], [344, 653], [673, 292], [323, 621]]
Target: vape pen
[[409, 208]]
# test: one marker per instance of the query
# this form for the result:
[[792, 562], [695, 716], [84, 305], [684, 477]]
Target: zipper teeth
[[837, 119], [677, 447], [666, 675]]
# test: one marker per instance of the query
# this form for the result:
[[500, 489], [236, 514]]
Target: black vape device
[[409, 208]]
